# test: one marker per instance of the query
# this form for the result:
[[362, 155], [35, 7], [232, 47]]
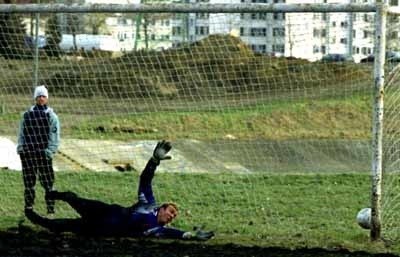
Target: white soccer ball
[[364, 218]]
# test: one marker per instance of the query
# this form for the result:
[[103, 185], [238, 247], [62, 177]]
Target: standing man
[[38, 141]]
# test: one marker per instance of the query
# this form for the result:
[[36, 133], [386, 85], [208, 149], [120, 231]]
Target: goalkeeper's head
[[167, 212]]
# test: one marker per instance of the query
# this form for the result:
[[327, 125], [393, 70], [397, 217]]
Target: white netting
[[237, 94]]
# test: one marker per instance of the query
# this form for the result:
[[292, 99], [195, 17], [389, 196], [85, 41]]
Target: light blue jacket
[[53, 136]]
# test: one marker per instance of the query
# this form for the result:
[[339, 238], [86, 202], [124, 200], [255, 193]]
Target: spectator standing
[[38, 141]]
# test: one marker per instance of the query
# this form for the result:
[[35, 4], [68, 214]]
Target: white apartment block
[[300, 35]]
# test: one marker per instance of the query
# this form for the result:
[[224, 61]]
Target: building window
[[121, 21], [278, 32], [323, 49], [259, 48], [393, 18], [279, 16], [343, 41], [394, 2], [344, 24], [202, 30], [202, 15], [262, 16], [279, 48], [258, 32], [258, 16], [176, 31], [153, 37], [364, 50], [242, 33]]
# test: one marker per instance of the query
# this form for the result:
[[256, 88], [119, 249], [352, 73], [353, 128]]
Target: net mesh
[[241, 95]]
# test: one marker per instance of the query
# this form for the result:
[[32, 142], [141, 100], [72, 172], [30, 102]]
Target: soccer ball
[[364, 218]]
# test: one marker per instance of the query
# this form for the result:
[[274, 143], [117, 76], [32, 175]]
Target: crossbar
[[185, 8]]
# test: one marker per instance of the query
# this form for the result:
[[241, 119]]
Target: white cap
[[40, 91]]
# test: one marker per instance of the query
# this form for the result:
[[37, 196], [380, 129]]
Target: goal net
[[390, 196], [243, 97]]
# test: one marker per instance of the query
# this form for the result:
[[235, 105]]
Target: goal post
[[377, 129], [241, 88]]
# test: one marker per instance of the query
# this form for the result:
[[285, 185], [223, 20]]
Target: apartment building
[[302, 35]]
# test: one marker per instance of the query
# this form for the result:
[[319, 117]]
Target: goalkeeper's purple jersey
[[141, 218]]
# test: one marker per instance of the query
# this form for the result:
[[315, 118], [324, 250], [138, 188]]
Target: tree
[[53, 35], [12, 36], [95, 22], [73, 28]]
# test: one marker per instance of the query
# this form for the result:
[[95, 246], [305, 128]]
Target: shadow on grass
[[24, 241]]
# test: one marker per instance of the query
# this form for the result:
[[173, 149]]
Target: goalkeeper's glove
[[161, 150], [198, 235]]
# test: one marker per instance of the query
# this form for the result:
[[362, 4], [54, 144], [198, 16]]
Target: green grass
[[290, 211], [306, 119], [327, 118]]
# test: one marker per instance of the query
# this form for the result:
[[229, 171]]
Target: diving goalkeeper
[[144, 218]]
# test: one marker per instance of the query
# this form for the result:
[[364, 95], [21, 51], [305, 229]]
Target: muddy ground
[[24, 241]]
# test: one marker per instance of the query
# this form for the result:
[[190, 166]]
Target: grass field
[[267, 114], [297, 211]]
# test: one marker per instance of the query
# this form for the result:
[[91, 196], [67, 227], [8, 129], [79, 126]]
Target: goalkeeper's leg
[[87, 208], [55, 225]]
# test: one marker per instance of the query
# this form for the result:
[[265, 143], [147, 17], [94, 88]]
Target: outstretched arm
[[173, 233], [145, 191]]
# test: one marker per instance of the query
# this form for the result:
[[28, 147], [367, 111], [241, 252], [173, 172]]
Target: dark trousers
[[35, 164], [94, 215], [88, 209]]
